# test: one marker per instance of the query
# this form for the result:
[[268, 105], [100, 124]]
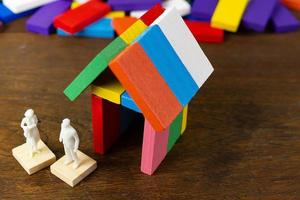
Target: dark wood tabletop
[[242, 139]]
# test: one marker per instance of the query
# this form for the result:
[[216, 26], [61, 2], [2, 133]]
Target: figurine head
[[29, 113], [65, 123]]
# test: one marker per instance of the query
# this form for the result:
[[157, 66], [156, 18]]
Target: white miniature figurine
[[69, 137], [31, 132]]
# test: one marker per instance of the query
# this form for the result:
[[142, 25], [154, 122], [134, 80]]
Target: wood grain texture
[[241, 142]]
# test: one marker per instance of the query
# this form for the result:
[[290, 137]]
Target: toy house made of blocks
[[155, 68]]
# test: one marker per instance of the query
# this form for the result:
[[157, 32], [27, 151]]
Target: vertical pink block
[[154, 148]]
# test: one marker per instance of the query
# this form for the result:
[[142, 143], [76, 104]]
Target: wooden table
[[242, 140]]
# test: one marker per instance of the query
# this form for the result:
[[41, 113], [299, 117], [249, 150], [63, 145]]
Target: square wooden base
[[73, 176], [40, 160]]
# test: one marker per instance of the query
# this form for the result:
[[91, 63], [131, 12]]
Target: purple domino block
[[203, 9], [42, 21], [128, 5], [283, 20], [258, 14]]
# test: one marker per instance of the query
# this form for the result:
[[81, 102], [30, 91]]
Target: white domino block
[[18, 6], [137, 13], [182, 6], [185, 45]]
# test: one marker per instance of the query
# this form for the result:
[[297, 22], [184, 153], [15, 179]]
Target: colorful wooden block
[[128, 102], [203, 32], [94, 68], [168, 64], [292, 4], [77, 19], [128, 5], [228, 14], [203, 9], [73, 176], [182, 6], [283, 20], [184, 119], [75, 4], [39, 161], [106, 124], [7, 16], [151, 93], [115, 14], [100, 62], [258, 13], [17, 6], [99, 29], [149, 17], [133, 31], [122, 24], [174, 131], [108, 87], [154, 148], [42, 21], [185, 45]]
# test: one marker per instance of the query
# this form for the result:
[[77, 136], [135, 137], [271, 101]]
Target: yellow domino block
[[133, 32], [75, 4], [184, 119], [115, 14], [228, 14], [108, 87]]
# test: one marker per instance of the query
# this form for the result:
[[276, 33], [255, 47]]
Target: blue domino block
[[7, 15], [128, 102], [100, 29], [169, 65]]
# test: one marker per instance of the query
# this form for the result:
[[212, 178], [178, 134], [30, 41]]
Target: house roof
[[159, 64]]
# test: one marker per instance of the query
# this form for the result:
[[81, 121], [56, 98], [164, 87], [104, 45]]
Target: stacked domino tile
[[207, 19]]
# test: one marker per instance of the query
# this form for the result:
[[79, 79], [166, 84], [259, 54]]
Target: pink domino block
[[154, 148]]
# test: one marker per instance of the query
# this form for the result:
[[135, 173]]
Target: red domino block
[[106, 123], [152, 14], [203, 32], [76, 19]]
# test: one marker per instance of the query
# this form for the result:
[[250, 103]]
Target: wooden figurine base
[[40, 160], [73, 176]]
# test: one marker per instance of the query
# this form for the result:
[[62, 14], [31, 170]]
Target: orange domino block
[[121, 24], [292, 4], [139, 76]]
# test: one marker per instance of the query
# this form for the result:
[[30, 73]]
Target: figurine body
[[69, 137], [31, 132]]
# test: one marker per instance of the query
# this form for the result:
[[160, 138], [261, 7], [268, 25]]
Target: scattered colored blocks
[[183, 41], [292, 4], [283, 20], [182, 6], [122, 24], [77, 19], [75, 4], [17, 6], [41, 21], [203, 9], [115, 14], [128, 5], [99, 29], [258, 13], [137, 13], [128, 102], [203, 32], [168, 64], [154, 148], [7, 15], [151, 93], [228, 14], [152, 14]]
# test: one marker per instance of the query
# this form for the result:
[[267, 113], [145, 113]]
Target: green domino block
[[94, 68], [174, 131]]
